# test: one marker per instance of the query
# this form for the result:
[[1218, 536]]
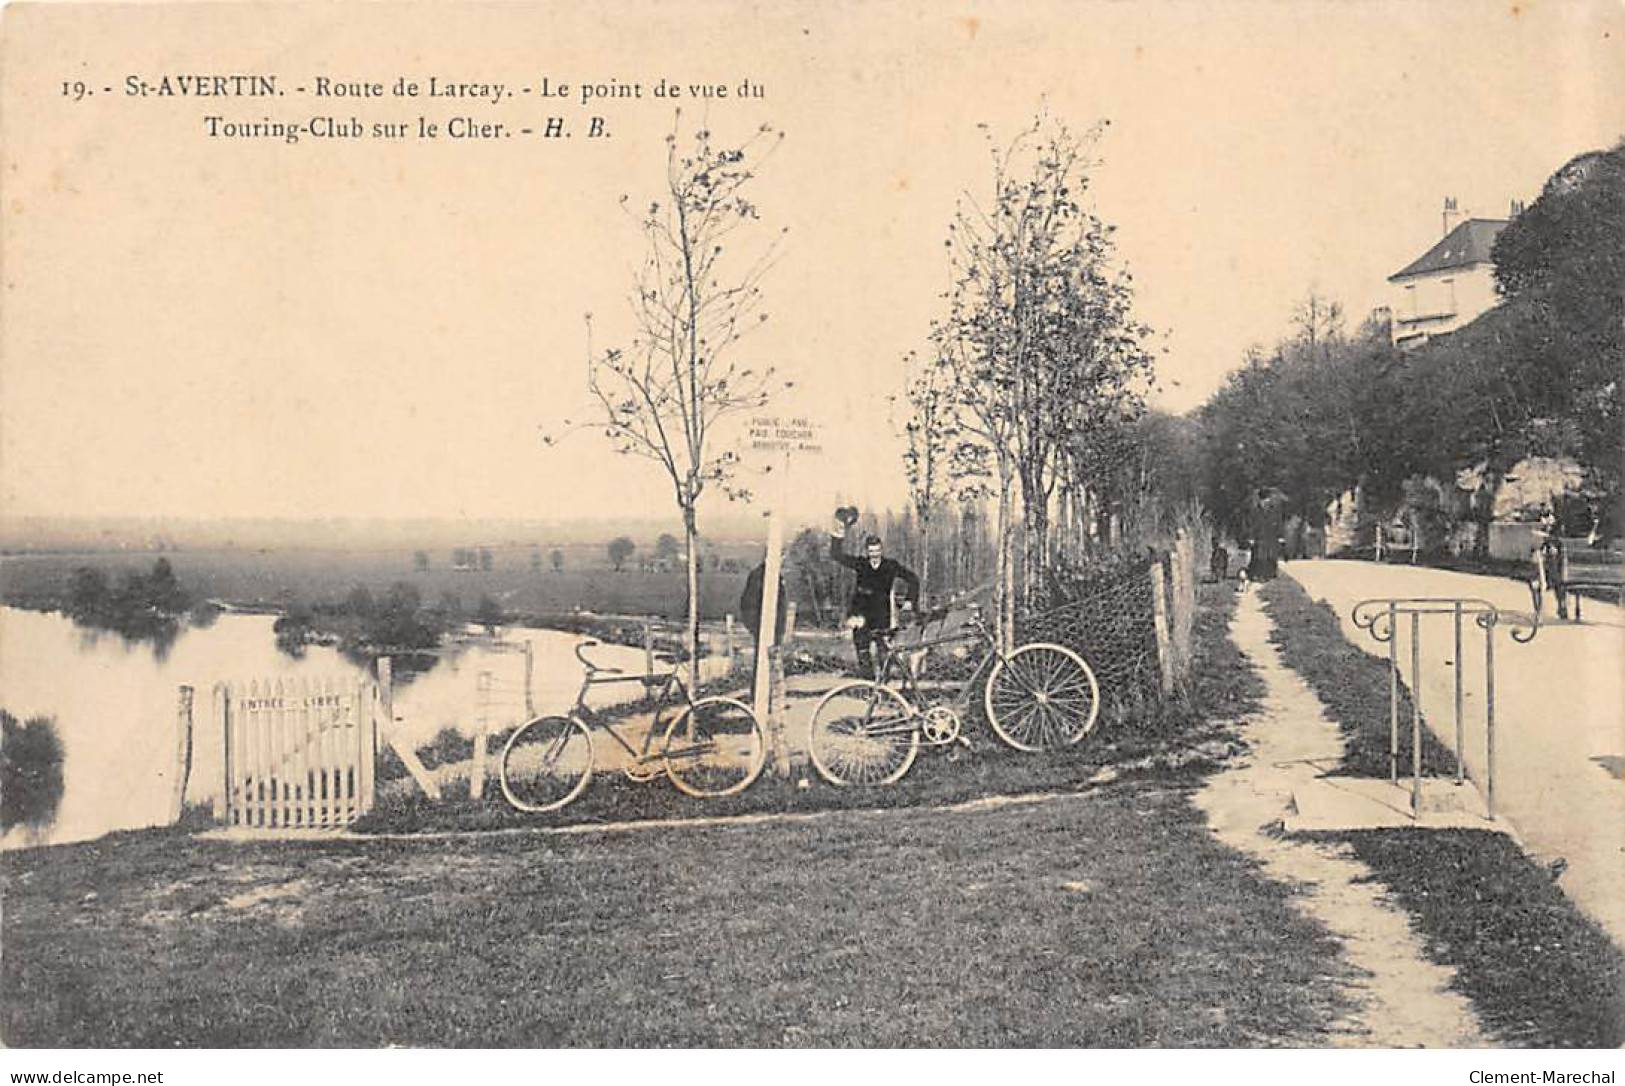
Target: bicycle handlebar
[[592, 668]]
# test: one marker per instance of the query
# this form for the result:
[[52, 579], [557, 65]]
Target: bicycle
[[714, 747], [1039, 697]]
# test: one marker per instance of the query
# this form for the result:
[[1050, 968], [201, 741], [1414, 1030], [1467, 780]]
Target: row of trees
[[1031, 391], [667, 551], [31, 762], [1028, 396], [1437, 431]]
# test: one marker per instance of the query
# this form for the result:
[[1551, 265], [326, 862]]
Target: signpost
[[787, 438]]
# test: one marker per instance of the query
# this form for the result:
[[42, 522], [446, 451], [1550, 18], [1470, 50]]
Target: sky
[[196, 327]]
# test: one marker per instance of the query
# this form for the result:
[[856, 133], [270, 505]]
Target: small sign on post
[[786, 437]]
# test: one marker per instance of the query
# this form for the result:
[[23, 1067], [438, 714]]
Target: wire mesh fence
[[1132, 623]]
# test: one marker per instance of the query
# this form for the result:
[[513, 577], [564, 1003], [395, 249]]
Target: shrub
[[30, 771]]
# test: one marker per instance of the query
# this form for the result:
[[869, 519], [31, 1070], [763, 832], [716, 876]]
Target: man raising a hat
[[870, 609]]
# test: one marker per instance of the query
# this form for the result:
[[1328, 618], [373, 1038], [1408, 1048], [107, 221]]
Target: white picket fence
[[299, 753]]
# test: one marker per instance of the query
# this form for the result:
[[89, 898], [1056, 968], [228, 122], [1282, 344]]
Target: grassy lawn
[[1108, 917], [1537, 971], [1101, 920]]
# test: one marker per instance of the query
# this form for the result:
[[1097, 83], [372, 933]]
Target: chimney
[[1517, 209], [1451, 215]]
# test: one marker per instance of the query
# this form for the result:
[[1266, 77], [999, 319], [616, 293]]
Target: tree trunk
[[1484, 515], [691, 534], [925, 557], [1004, 562], [1035, 535]]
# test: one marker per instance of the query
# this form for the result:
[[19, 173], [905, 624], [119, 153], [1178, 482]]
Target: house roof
[[1467, 244]]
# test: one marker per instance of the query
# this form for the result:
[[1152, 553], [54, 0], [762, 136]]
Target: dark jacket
[[750, 603], [871, 596]]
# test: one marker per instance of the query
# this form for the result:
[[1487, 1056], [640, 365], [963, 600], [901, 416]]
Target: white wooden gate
[[299, 752]]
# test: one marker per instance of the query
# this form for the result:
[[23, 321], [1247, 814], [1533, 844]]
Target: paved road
[[1559, 709]]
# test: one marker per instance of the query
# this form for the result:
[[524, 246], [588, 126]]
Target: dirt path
[[1403, 1000]]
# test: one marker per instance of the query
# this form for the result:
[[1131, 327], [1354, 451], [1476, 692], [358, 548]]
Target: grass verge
[[1536, 970], [1352, 683]]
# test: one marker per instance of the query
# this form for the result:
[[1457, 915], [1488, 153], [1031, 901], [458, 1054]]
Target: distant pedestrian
[[1219, 564], [1268, 523]]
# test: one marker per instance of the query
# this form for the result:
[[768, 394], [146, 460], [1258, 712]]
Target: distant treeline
[[1433, 434]]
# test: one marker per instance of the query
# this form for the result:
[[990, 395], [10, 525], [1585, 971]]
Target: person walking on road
[[870, 610]]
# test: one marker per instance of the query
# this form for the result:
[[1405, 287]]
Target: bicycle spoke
[[863, 735], [1042, 697], [1020, 717]]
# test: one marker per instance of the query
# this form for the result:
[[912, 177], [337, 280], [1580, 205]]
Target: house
[[1450, 284]]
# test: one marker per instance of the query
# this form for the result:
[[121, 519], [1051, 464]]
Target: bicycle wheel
[[863, 733], [1042, 697], [714, 748], [546, 763]]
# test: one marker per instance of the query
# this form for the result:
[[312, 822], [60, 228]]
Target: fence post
[[369, 752], [476, 771], [1489, 719], [530, 675], [730, 640], [408, 756], [1416, 712], [777, 737], [220, 805], [365, 722], [1460, 667], [183, 753], [789, 621], [1181, 607], [1159, 614], [1393, 693]]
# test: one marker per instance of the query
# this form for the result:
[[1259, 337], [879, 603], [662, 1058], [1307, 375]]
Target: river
[[115, 702]]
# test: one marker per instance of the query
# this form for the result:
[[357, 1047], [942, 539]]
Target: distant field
[[278, 577]]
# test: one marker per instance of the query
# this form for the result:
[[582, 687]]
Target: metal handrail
[[1376, 615], [1379, 616]]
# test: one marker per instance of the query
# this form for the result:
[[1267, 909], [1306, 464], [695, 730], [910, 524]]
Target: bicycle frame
[[651, 682], [892, 669]]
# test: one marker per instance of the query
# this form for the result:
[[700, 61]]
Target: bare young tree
[[693, 302]]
